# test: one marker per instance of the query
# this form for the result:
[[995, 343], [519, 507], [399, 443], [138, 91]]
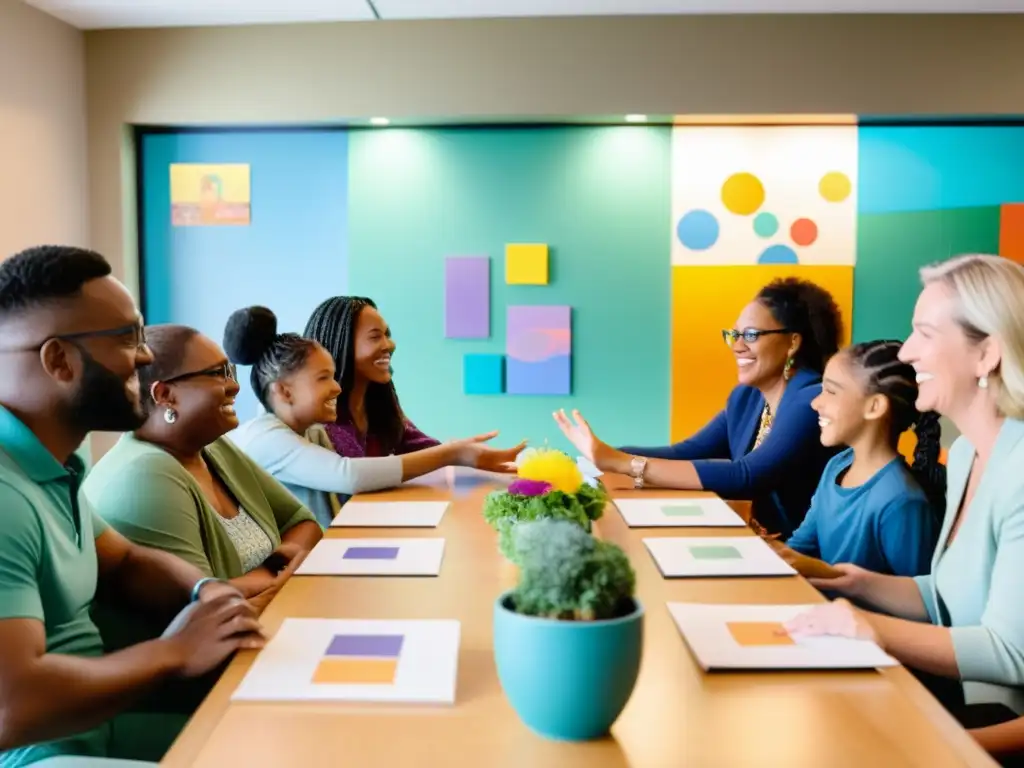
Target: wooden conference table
[[678, 716]]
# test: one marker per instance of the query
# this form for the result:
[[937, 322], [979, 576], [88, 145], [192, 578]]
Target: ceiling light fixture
[[379, 121], [636, 118]]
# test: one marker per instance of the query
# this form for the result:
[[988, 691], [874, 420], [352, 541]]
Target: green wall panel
[[892, 247], [599, 197]]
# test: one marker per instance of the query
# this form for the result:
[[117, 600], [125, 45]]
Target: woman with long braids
[[870, 508], [764, 446], [294, 380], [370, 421]]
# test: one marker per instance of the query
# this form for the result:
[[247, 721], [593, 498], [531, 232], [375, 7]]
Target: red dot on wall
[[803, 231]]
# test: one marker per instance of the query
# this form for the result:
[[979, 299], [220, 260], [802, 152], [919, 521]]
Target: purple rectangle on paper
[[467, 297], [366, 645], [539, 350], [370, 553]]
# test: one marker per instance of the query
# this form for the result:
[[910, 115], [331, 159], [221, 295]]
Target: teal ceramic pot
[[567, 680]]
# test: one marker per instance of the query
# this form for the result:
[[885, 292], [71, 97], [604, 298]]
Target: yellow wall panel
[[704, 301]]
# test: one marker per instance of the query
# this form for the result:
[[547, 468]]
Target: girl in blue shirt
[[870, 508]]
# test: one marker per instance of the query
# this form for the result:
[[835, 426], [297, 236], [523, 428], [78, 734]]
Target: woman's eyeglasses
[[223, 372], [749, 335]]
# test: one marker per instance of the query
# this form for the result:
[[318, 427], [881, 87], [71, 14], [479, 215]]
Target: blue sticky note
[[484, 374]]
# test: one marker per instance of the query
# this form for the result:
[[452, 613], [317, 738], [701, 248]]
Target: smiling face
[[845, 408], [203, 391], [948, 362], [311, 393], [761, 362], [373, 347]]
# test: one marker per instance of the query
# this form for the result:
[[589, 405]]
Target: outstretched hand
[[474, 452], [579, 433], [837, 619]]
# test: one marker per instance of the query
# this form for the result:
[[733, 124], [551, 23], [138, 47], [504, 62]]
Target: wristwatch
[[637, 467]]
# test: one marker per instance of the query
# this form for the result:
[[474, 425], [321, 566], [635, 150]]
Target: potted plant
[[568, 637], [548, 485]]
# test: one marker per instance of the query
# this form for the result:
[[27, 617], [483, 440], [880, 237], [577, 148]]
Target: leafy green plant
[[565, 573]]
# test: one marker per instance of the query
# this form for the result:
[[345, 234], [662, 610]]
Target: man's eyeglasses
[[134, 334], [224, 371], [749, 335]]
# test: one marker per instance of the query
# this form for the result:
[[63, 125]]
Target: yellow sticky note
[[526, 264]]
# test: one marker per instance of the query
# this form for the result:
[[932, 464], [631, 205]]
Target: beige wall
[[42, 131]]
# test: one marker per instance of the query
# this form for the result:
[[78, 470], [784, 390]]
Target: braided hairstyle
[[251, 338], [883, 373], [808, 309], [333, 326]]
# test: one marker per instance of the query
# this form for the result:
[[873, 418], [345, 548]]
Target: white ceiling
[[103, 14]]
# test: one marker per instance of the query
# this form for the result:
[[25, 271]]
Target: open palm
[[474, 452], [582, 436]]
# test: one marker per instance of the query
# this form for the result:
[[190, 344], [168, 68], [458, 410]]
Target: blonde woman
[[965, 620]]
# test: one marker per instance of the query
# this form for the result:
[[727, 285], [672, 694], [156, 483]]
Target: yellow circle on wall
[[835, 186], [742, 193]]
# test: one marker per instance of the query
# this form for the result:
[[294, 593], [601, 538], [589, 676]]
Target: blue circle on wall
[[697, 230], [765, 224], [778, 254]]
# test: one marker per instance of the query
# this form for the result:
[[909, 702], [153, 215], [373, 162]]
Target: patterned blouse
[[251, 541], [349, 441]]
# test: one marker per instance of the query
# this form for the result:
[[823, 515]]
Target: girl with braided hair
[[870, 508], [370, 421], [294, 379]]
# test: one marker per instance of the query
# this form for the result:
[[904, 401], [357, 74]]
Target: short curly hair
[[806, 308], [46, 273]]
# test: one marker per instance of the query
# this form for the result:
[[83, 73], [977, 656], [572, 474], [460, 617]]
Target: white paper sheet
[[695, 556], [678, 513], [409, 661], [751, 637], [390, 514], [374, 557]]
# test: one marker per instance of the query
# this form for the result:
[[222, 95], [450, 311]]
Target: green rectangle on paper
[[715, 553], [682, 510]]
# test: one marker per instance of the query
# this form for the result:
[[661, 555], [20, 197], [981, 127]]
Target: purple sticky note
[[467, 297], [366, 645], [370, 553], [539, 350]]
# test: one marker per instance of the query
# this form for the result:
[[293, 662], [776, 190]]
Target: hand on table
[[837, 619], [262, 599], [850, 583], [597, 452], [205, 633], [473, 452]]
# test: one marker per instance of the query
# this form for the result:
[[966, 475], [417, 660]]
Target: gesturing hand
[[473, 452], [851, 582], [204, 634], [599, 453]]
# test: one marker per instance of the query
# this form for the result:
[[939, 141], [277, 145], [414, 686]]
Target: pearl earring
[[170, 415], [983, 382]]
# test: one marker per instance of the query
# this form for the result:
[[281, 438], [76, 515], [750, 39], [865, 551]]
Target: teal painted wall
[[599, 197]]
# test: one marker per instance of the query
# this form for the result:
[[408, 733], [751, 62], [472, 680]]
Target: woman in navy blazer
[[765, 445]]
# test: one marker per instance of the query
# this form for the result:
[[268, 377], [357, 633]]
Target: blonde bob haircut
[[989, 292]]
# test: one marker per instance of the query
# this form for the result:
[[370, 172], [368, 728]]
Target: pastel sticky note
[[365, 645], [483, 374], [371, 553], [467, 297], [1011, 232], [526, 264], [759, 633], [715, 553], [683, 510], [355, 671]]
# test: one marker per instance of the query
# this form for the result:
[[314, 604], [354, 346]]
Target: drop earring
[[983, 382], [788, 370], [170, 415]]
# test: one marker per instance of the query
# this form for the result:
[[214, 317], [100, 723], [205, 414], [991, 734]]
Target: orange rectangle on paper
[[355, 671], [759, 633]]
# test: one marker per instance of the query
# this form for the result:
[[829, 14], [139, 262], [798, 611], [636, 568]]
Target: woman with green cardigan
[[179, 485]]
